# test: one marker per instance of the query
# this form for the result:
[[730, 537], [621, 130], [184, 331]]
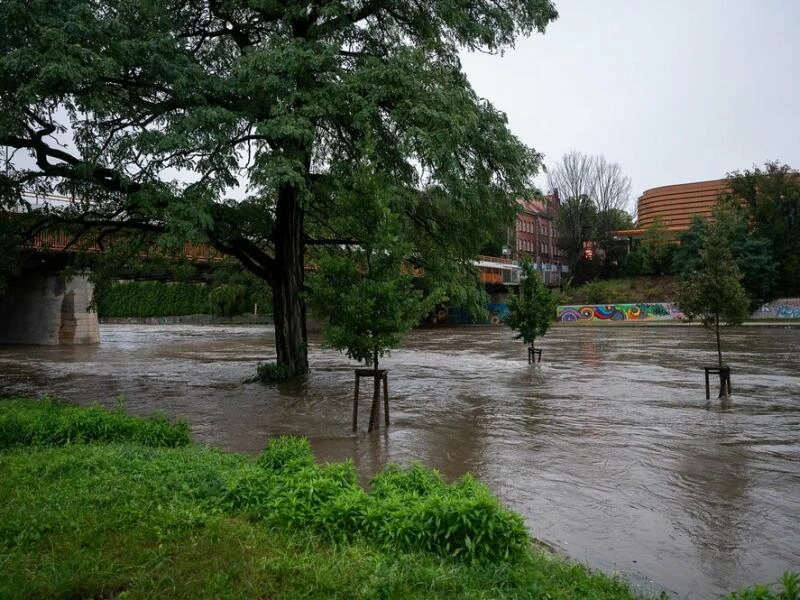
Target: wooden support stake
[[379, 377], [724, 373], [534, 352], [386, 398], [355, 405]]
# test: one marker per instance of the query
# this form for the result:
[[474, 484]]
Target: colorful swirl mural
[[658, 311]]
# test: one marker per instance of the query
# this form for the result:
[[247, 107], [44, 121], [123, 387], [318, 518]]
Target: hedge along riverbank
[[146, 299], [151, 299]]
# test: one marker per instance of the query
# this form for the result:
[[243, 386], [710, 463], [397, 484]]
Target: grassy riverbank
[[94, 503]]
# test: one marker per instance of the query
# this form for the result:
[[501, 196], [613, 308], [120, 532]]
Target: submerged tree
[[714, 293], [153, 115], [533, 310], [367, 301]]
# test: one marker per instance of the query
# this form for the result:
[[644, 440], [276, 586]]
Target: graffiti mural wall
[[657, 311], [785, 308]]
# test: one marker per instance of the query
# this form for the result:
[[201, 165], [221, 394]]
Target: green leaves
[[787, 588], [367, 302], [771, 201], [50, 422], [365, 295], [155, 112], [714, 292], [533, 310], [409, 509]]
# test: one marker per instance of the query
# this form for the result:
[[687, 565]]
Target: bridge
[[44, 307]]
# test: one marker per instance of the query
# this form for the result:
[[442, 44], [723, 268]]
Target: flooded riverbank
[[608, 448]]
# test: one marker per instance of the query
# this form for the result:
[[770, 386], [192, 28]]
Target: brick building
[[536, 236]]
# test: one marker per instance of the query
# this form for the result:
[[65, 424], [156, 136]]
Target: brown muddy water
[[608, 447]]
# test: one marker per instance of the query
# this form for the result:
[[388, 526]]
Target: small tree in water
[[367, 302], [533, 310], [713, 293]]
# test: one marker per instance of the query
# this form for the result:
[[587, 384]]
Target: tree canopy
[[576, 223], [770, 198], [593, 177], [533, 310], [265, 128], [751, 254]]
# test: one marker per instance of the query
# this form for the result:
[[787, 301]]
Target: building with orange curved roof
[[675, 205]]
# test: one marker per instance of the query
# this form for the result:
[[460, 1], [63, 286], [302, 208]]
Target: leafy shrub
[[228, 299], [413, 481], [407, 509], [788, 588], [462, 520], [50, 422], [272, 372], [287, 452]]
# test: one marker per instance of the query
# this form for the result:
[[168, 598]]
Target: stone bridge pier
[[45, 307]]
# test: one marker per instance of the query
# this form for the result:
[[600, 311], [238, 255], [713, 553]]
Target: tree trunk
[[287, 283]]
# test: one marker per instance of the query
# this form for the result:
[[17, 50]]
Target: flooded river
[[608, 447]]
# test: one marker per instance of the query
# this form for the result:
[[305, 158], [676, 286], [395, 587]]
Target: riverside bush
[[272, 372], [286, 452], [407, 509], [50, 422]]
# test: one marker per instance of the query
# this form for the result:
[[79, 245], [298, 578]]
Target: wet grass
[[620, 291], [122, 519]]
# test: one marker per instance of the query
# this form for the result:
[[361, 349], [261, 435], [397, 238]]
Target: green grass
[[622, 291], [128, 520], [53, 422]]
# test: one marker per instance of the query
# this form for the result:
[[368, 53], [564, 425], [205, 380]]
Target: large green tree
[[153, 114], [771, 200]]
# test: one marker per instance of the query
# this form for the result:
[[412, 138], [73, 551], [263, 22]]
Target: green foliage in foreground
[[102, 520], [788, 588], [50, 422], [407, 509]]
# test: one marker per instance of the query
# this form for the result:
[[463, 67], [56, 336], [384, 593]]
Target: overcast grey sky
[[675, 91]]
